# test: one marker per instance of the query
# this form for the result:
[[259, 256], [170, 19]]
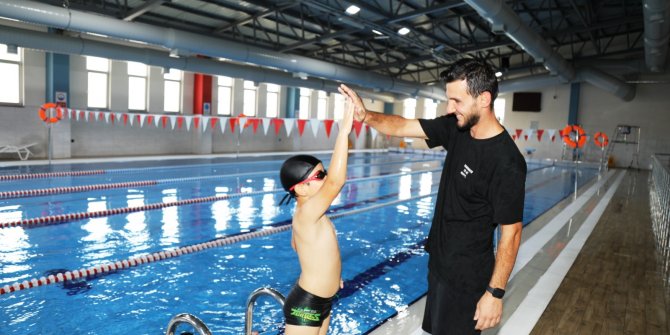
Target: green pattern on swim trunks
[[305, 313]]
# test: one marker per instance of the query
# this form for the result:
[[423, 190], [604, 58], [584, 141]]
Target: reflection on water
[[13, 252]]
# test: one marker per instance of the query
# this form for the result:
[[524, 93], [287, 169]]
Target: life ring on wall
[[604, 141], [43, 113], [580, 136]]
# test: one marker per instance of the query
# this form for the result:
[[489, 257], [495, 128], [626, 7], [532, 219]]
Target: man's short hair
[[478, 75]]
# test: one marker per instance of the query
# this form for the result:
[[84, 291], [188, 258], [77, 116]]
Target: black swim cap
[[296, 169]]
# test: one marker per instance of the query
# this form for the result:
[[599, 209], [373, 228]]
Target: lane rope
[[172, 253], [72, 189], [50, 174], [63, 218]]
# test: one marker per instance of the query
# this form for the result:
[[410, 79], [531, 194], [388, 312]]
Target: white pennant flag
[[187, 120], [204, 121], [528, 133], [76, 114], [241, 121], [131, 118], [266, 125], [142, 117], [551, 133], [107, 117], [173, 120], [288, 125], [223, 123], [314, 123], [86, 115], [373, 131], [157, 120]]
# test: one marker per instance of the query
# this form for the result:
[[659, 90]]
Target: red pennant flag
[[212, 122], [329, 125], [164, 120], [560, 133], [125, 119], [232, 122], [111, 117], [518, 133], [388, 137], [539, 134], [100, 116], [82, 114], [196, 122], [255, 123], [277, 123], [91, 116], [357, 127], [180, 122], [301, 126], [514, 137], [150, 119]]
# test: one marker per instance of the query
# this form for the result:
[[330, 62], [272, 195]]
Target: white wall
[[20, 124], [598, 111]]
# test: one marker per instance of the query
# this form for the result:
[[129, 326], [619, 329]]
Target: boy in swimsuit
[[307, 306]]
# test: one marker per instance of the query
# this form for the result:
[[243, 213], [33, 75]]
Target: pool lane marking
[[63, 218], [166, 254], [73, 189], [140, 170], [172, 253], [50, 174], [536, 301]]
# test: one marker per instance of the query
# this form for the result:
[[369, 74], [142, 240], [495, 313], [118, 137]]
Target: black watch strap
[[495, 292]]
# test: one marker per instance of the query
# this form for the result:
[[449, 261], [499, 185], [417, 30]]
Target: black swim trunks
[[302, 308]]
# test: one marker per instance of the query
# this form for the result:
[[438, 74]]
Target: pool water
[[382, 216]]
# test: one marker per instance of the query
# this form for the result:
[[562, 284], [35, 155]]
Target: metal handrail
[[191, 320], [248, 318]]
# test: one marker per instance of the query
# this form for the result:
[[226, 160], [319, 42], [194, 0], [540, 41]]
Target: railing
[[191, 320], [248, 319], [659, 199]]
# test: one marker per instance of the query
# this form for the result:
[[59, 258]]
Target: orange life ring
[[43, 113], [580, 136], [604, 141]]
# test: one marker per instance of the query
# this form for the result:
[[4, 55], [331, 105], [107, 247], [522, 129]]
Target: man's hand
[[359, 108], [489, 312]]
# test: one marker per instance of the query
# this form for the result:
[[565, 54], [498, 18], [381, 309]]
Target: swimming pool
[[209, 232]]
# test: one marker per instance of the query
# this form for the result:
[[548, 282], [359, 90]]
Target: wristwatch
[[495, 292]]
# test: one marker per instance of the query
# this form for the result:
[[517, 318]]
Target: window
[[272, 101], [225, 94], [305, 94], [429, 109], [338, 111], [137, 86], [409, 108], [98, 82], [249, 108], [10, 67], [499, 109], [322, 106], [172, 98]]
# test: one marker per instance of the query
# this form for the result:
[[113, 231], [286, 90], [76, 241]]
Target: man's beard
[[470, 121]]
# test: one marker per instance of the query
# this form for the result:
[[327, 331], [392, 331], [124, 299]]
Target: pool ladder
[[191, 320], [248, 318]]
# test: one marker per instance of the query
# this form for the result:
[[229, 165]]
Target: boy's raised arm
[[337, 171]]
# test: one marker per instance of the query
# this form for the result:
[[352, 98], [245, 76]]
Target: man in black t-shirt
[[482, 186]]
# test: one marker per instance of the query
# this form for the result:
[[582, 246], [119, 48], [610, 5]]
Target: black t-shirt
[[482, 185]]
